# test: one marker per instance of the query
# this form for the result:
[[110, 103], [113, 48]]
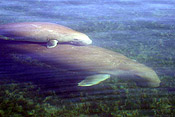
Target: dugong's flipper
[[52, 43], [94, 79]]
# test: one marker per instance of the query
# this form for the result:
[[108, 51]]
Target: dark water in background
[[140, 29]]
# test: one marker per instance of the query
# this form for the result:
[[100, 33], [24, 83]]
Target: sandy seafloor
[[143, 30]]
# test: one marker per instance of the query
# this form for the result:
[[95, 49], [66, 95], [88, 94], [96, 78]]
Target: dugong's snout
[[81, 39], [148, 79], [85, 41], [144, 76], [88, 41], [146, 83], [81, 43]]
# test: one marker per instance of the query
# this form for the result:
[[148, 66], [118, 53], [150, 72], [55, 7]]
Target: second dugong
[[42, 32], [99, 63]]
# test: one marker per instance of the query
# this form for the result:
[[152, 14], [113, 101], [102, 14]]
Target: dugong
[[42, 32], [99, 63]]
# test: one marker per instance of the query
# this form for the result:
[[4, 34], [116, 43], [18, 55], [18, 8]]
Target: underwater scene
[[87, 58]]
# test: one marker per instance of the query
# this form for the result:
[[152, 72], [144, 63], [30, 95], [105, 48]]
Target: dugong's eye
[[75, 39]]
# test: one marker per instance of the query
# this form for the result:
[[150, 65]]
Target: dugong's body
[[100, 63], [42, 32]]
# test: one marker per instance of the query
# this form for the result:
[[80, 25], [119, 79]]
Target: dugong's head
[[149, 80], [143, 76], [79, 39], [147, 77]]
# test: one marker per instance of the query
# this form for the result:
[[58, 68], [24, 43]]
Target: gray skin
[[101, 62], [42, 32]]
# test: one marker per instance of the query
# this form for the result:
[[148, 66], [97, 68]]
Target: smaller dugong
[[98, 63], [42, 32]]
